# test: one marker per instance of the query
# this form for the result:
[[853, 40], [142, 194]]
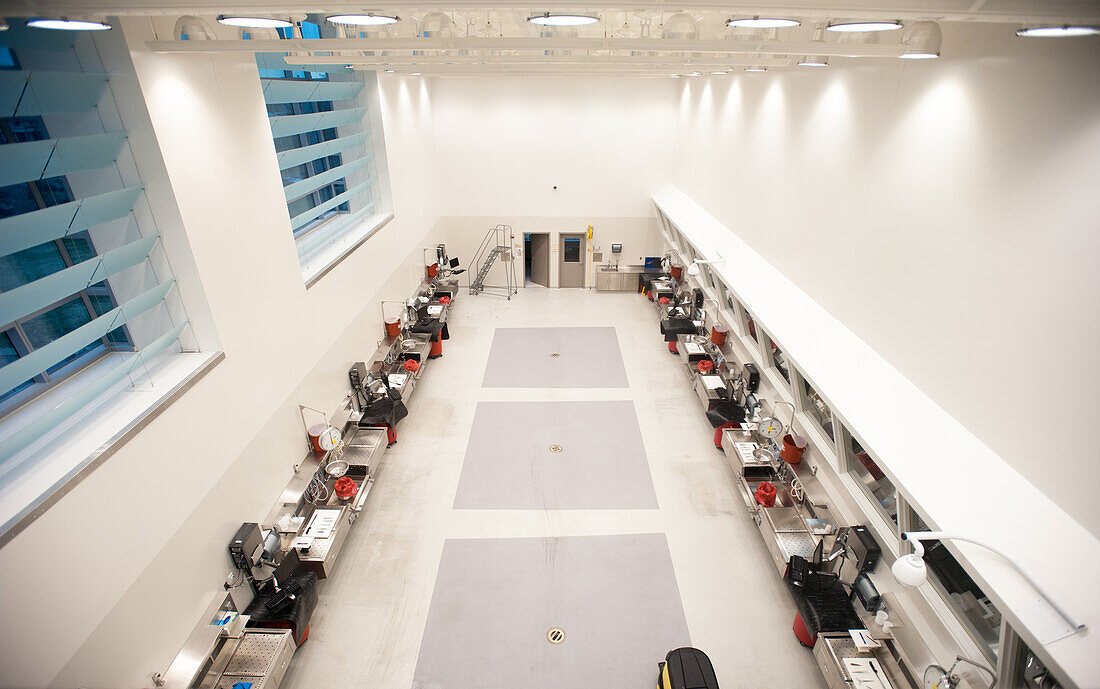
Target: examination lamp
[[694, 270], [910, 570]]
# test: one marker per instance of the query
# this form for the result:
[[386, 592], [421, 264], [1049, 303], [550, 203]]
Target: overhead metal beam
[[410, 61], [523, 44]]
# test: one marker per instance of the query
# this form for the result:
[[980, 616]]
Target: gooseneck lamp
[[694, 269], [910, 570]]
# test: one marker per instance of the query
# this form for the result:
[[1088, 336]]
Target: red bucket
[[793, 448], [676, 271], [433, 269], [718, 335], [393, 327]]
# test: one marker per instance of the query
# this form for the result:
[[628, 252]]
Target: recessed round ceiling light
[[863, 27], [64, 24], [349, 67], [813, 62], [562, 19], [4, 26], [368, 19], [919, 56], [1058, 31], [756, 69], [254, 22], [674, 76], [719, 73], [388, 71], [762, 23], [414, 74]]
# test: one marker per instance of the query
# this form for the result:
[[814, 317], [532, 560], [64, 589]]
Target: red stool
[[804, 637], [437, 349], [391, 432], [672, 348], [718, 434]]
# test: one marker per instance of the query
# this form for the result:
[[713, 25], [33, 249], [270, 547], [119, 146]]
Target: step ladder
[[497, 242]]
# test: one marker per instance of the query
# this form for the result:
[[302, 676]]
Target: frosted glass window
[[978, 614], [873, 481], [817, 409]]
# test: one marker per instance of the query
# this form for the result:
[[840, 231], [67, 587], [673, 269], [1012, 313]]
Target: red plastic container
[[705, 365], [433, 269], [718, 335], [676, 271], [792, 450], [765, 494], [393, 327], [412, 366]]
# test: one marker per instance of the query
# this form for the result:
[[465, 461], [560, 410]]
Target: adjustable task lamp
[[910, 570], [694, 270]]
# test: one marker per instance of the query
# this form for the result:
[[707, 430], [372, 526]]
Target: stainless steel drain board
[[841, 647], [318, 550], [255, 656], [228, 681], [797, 543]]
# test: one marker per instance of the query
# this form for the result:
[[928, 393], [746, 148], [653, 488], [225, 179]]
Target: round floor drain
[[555, 448], [554, 355], [555, 635]]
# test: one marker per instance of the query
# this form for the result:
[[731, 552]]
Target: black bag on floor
[[687, 668]]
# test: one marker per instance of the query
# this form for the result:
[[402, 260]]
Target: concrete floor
[[370, 621]]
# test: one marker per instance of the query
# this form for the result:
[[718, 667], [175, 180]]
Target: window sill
[[79, 448], [324, 261]]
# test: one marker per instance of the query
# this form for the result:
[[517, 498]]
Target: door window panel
[[572, 250]]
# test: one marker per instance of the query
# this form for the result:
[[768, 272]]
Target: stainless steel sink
[[783, 499]]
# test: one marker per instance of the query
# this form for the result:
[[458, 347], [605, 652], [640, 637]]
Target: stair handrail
[[478, 256]]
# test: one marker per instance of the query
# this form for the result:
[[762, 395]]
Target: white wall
[[945, 211], [134, 554], [504, 143]]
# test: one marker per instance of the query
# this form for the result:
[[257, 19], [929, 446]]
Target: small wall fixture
[[254, 22], [66, 24], [368, 19], [761, 23], [562, 19], [863, 27], [1066, 31], [910, 570], [813, 61], [922, 41]]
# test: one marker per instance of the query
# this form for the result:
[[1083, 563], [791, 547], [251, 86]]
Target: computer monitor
[[454, 262]]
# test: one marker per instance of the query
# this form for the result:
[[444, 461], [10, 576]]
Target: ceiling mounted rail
[[528, 44]]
